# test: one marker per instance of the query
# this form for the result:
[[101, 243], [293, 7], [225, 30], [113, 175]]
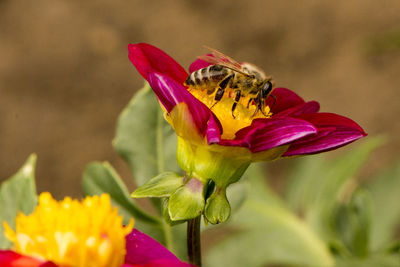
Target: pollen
[[72, 233], [231, 123]]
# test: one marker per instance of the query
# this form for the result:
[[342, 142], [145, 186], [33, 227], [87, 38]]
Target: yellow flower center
[[72, 233], [223, 110]]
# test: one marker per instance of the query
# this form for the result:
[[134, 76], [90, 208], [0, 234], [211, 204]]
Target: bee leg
[[263, 112], [237, 98], [258, 106], [261, 106], [248, 103], [273, 104], [255, 112], [218, 95], [221, 90]]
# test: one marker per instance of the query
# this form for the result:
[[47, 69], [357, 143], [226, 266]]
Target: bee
[[226, 74]]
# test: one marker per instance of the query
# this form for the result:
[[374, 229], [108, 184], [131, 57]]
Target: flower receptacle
[[214, 162]]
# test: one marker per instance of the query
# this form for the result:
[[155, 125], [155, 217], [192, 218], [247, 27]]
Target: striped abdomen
[[207, 78]]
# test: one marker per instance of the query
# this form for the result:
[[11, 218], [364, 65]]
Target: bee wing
[[223, 60], [235, 69], [211, 59]]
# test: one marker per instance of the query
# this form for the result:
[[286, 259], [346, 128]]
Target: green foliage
[[392, 260], [143, 138], [341, 223], [17, 194], [268, 233], [317, 185], [385, 193], [236, 194], [353, 223]]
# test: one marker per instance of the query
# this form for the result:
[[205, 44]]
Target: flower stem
[[168, 236], [193, 241]]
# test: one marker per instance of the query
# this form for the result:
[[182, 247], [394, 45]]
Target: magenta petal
[[213, 131], [323, 142], [7, 256], [325, 119], [285, 99], [170, 93], [198, 64], [304, 108], [48, 264], [265, 134], [10, 258], [147, 59], [142, 249], [161, 263], [334, 131]]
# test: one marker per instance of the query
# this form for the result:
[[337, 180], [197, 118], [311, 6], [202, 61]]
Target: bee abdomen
[[206, 77]]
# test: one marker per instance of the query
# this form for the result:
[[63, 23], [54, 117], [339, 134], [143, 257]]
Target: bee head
[[266, 89]]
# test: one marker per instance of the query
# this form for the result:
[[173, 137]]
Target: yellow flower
[[72, 233]]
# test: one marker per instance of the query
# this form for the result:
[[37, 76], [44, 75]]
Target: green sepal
[[187, 202], [217, 208], [165, 213], [163, 185]]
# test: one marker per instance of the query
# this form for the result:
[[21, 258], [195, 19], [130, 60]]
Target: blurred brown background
[[65, 74]]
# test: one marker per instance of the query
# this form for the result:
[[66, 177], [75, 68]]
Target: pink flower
[[215, 145], [294, 122]]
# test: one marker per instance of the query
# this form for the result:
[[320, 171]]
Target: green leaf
[[385, 193], [144, 139], [354, 222], [163, 185], [18, 193], [385, 260], [268, 233], [100, 177], [303, 182], [317, 185]]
